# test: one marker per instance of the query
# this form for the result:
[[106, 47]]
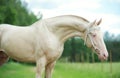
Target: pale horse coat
[[43, 41]]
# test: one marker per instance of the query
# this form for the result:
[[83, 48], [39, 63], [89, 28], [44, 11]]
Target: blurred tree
[[73, 47], [15, 12], [113, 45]]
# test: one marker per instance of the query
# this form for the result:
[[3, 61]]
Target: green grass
[[63, 70], [86, 70], [16, 70]]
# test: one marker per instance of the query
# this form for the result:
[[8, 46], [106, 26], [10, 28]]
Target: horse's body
[[43, 41], [17, 45]]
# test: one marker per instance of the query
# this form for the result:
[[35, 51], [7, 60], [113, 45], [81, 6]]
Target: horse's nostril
[[104, 55]]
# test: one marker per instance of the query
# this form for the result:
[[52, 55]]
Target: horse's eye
[[94, 35]]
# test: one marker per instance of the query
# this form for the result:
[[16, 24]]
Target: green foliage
[[15, 12], [79, 50], [113, 46]]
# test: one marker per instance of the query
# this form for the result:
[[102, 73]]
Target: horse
[[43, 41]]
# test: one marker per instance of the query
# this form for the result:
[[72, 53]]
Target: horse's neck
[[66, 27]]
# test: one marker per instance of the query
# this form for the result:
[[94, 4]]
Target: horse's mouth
[[102, 58], [101, 55]]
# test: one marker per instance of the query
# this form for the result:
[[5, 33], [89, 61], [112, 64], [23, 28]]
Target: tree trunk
[[73, 50]]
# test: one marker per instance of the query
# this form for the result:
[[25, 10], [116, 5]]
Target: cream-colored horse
[[43, 41]]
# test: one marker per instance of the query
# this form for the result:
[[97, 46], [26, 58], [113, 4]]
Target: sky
[[108, 10]]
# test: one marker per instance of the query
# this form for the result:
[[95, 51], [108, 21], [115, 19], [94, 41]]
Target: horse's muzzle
[[103, 56]]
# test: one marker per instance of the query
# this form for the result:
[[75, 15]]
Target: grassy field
[[63, 70]]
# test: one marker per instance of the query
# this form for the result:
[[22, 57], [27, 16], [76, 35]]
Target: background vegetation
[[15, 12]]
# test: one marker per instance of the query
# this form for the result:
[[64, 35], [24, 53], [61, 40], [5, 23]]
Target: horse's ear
[[92, 23], [98, 23]]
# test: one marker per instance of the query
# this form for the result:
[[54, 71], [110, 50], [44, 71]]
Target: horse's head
[[94, 39]]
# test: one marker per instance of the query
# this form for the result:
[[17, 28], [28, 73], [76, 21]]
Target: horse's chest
[[54, 54], [51, 48]]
